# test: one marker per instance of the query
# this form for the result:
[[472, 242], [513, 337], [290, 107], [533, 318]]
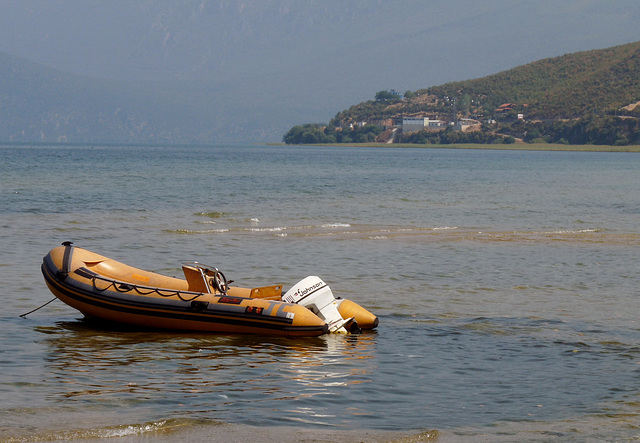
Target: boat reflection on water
[[231, 378], [345, 360]]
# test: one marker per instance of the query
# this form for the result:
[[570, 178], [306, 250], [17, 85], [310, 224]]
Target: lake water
[[506, 284]]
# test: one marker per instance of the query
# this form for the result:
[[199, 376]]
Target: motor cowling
[[315, 295]]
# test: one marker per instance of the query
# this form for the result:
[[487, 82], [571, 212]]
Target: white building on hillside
[[410, 124]]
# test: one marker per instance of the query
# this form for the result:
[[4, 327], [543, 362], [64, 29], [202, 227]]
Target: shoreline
[[503, 147], [500, 147]]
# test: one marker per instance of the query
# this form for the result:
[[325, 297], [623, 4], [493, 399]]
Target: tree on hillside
[[308, 134], [385, 96]]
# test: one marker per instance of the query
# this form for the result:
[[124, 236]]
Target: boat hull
[[81, 279]]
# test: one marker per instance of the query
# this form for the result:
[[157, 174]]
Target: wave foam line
[[107, 432], [144, 430], [196, 231], [576, 231], [455, 234]]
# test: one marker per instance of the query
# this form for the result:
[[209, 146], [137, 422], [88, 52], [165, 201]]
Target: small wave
[[125, 431], [574, 231], [195, 231], [213, 214], [163, 427], [336, 225], [108, 432], [274, 229], [297, 228]]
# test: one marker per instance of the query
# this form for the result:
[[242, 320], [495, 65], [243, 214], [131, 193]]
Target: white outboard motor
[[315, 295]]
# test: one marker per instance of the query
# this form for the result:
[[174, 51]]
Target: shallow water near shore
[[506, 283]]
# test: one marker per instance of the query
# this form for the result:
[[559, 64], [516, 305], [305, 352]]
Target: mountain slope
[[568, 86], [38, 103]]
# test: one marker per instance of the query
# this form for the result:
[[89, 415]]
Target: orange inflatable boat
[[204, 301]]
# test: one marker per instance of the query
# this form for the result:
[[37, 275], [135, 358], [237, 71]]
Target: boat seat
[[273, 292], [197, 280]]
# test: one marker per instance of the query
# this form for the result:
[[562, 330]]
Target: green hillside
[[569, 86], [583, 98]]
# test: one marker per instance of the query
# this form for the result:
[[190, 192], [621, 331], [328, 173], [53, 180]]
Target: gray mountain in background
[[181, 71]]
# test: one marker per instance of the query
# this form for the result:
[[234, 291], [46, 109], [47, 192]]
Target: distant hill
[[584, 97], [41, 104]]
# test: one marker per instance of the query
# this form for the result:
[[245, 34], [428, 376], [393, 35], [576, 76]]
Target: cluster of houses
[[411, 124], [508, 108], [419, 122]]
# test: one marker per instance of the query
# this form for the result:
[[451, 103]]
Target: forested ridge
[[590, 97]]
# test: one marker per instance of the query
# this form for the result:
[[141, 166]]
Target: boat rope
[[123, 287], [39, 307]]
